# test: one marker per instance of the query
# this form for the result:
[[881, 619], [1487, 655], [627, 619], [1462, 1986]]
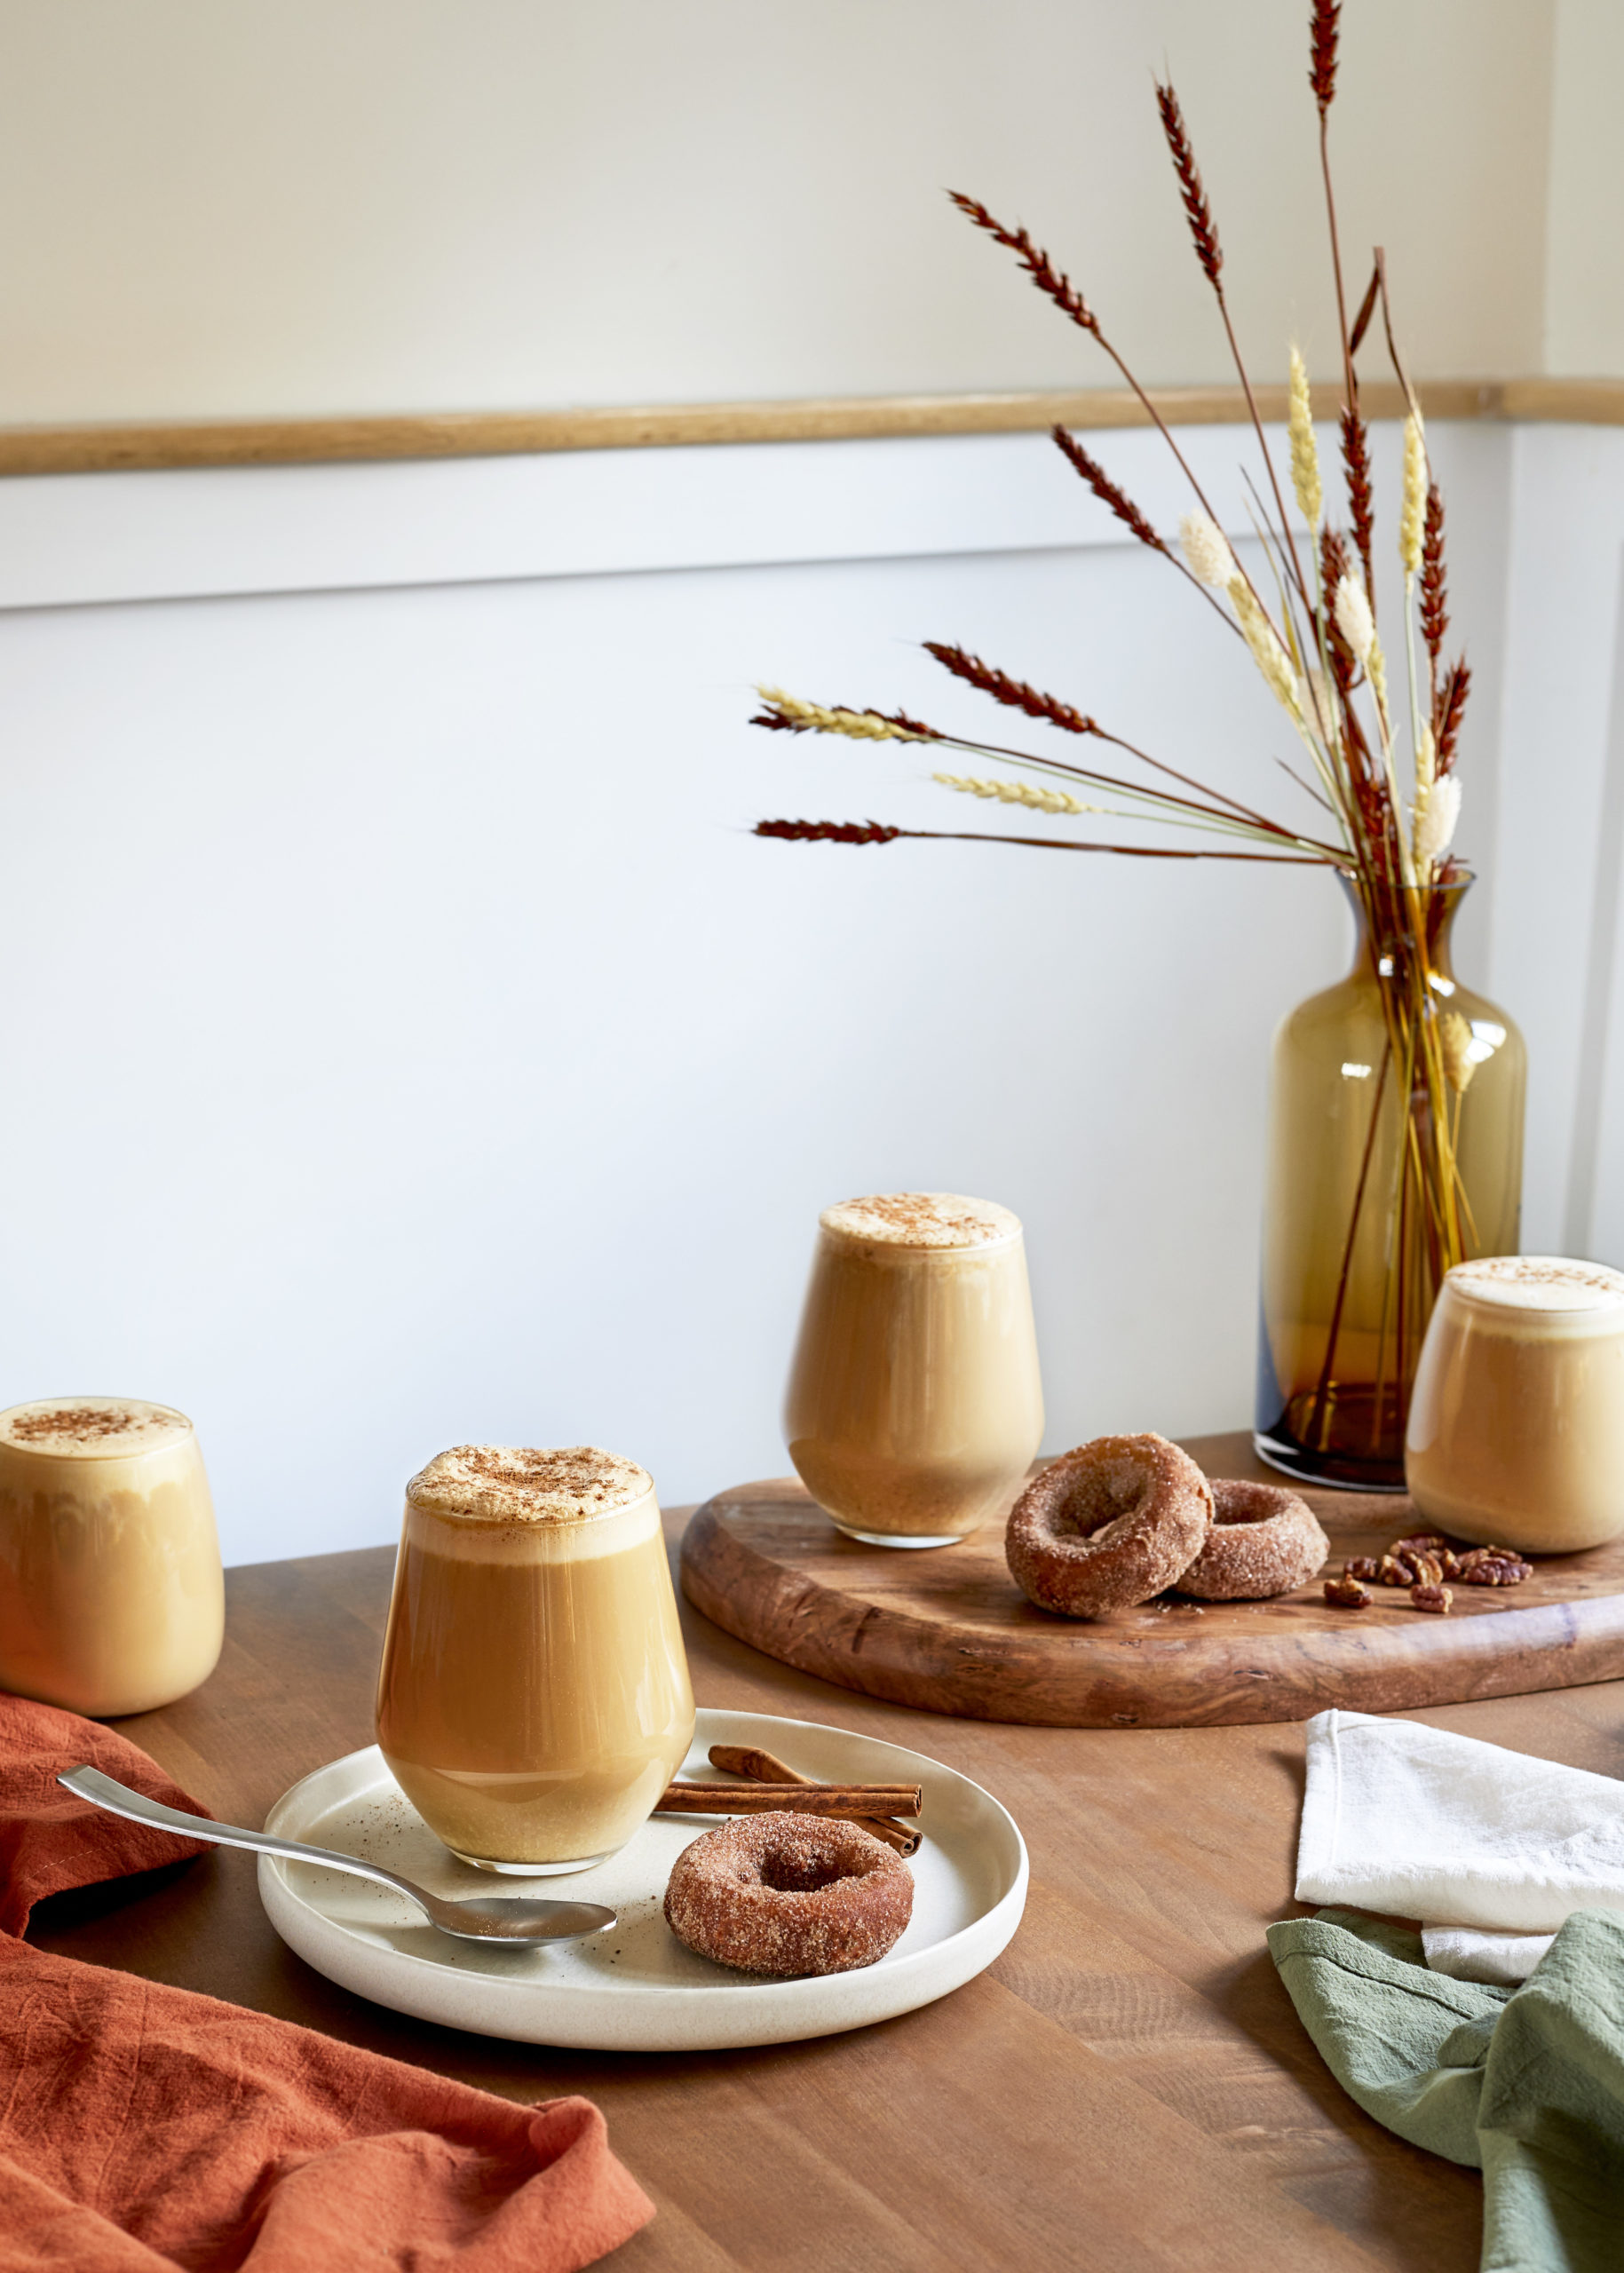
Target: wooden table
[[1127, 2089]]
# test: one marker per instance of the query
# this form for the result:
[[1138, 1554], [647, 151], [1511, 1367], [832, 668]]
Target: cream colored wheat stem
[[1017, 793], [1013, 793], [1319, 695], [859, 725], [1163, 804]]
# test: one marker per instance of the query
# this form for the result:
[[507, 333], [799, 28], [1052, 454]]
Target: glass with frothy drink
[[111, 1595], [915, 1404], [1516, 1422], [534, 1699]]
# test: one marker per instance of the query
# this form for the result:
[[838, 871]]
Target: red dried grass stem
[[1397, 360], [1015, 694], [1323, 32], [1434, 585], [1367, 308], [1197, 213], [1067, 297], [1333, 568], [1117, 500], [1049, 279], [1322, 52], [1451, 712], [829, 832], [1203, 229], [1361, 506], [854, 832], [1109, 492]]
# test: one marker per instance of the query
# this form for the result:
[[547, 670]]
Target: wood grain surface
[[947, 1630], [1127, 2090]]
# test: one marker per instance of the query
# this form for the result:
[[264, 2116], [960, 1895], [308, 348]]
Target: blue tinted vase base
[[1328, 1474]]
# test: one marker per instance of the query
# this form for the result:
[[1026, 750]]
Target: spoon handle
[[118, 1799]]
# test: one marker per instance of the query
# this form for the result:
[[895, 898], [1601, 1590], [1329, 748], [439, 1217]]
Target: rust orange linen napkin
[[145, 2128]]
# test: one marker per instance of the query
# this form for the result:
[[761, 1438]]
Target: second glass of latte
[[534, 1699], [1516, 1425], [915, 1406]]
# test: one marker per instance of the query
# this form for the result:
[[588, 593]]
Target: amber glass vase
[[1395, 1150]]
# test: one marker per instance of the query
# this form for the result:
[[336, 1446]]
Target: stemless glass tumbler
[[1517, 1426], [111, 1595], [533, 1698], [915, 1406]]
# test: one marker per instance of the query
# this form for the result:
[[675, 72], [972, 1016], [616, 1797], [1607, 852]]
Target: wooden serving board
[[947, 1630]]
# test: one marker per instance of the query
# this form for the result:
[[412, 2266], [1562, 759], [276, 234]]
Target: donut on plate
[[787, 1894], [1265, 1540], [1108, 1526]]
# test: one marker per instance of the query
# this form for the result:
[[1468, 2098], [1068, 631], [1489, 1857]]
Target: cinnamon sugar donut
[[1107, 1525], [1265, 1540], [790, 1894]]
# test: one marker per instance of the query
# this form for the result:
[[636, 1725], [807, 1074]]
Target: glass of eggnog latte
[[1517, 1420], [111, 1595], [533, 1698], [915, 1406]]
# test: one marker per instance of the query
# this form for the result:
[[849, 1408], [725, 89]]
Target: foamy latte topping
[[1540, 1282], [92, 1427], [922, 1219], [511, 1483]]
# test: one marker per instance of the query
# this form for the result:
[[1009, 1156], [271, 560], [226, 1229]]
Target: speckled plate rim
[[733, 2010]]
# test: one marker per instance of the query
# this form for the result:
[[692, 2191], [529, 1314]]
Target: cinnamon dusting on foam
[[1540, 1282], [933, 1219], [506, 1484], [105, 1427]]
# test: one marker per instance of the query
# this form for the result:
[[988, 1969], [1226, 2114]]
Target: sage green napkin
[[1526, 2083]]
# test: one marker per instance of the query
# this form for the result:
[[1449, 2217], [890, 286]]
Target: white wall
[[1556, 937], [1584, 309], [333, 205], [409, 1043]]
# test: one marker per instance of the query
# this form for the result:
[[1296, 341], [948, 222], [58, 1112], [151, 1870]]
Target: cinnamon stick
[[766, 1767], [797, 1798]]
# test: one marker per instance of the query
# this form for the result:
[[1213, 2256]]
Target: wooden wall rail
[[502, 434]]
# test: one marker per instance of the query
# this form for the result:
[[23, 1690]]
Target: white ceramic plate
[[635, 1988]]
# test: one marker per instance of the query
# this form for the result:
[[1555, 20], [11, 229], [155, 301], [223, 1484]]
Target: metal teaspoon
[[508, 1919]]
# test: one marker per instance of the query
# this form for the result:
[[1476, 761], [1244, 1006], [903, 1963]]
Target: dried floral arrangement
[[1312, 632], [1316, 642]]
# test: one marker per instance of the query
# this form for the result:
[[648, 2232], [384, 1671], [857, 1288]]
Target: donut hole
[[1248, 1503], [1102, 1505], [790, 1874]]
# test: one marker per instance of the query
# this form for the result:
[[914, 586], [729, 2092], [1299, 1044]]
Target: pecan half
[[1437, 1599], [1426, 1569], [1347, 1594], [1424, 1542], [1394, 1570], [1362, 1567], [1494, 1566]]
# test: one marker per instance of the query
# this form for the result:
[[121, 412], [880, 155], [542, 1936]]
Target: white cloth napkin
[[1490, 1850], [1503, 1959]]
